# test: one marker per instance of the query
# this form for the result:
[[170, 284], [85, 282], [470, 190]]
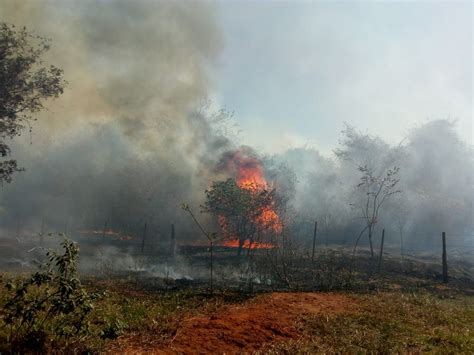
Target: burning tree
[[244, 211]]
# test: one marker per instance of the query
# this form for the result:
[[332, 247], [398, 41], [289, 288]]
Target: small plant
[[211, 237], [49, 307], [113, 329]]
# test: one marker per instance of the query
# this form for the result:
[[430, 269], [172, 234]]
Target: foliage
[[51, 306], [239, 209], [24, 85], [361, 149]]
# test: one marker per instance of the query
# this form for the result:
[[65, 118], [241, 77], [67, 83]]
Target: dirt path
[[244, 328]]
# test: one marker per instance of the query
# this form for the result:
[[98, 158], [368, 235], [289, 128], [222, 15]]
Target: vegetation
[[376, 190], [123, 308], [392, 312], [240, 209], [24, 85], [390, 323], [48, 308], [211, 237], [397, 308]]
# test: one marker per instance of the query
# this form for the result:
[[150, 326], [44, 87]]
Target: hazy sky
[[292, 71], [295, 71]]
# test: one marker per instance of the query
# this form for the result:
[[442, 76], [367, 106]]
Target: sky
[[294, 72]]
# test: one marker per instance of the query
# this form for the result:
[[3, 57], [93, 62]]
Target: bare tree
[[376, 189]]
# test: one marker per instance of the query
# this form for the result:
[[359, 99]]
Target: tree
[[376, 189], [243, 212], [24, 85]]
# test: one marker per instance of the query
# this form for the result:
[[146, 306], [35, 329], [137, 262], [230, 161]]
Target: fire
[[234, 243], [246, 168], [268, 217], [249, 175]]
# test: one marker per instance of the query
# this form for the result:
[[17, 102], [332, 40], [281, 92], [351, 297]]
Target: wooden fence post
[[42, 233], [314, 239], [211, 249], [144, 237], [381, 248], [172, 241], [445, 261], [105, 229], [18, 230]]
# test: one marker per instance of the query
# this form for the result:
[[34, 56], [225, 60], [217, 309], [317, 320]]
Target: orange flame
[[268, 217], [249, 175], [234, 243]]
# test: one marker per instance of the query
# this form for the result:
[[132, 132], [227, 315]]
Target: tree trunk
[[370, 241], [381, 248], [401, 243], [241, 244], [251, 241]]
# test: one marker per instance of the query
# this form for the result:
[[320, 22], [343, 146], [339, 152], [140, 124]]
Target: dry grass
[[392, 322], [411, 313]]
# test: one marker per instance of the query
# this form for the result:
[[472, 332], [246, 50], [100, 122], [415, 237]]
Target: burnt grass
[[332, 269], [403, 304], [288, 268]]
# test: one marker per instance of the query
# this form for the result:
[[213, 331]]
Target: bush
[[49, 308]]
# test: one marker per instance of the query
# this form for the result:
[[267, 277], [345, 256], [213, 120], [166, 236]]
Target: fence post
[[42, 233], [314, 239], [144, 237], [381, 248], [105, 229], [445, 261], [211, 249], [18, 230], [172, 241]]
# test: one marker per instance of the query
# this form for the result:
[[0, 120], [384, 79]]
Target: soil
[[244, 328]]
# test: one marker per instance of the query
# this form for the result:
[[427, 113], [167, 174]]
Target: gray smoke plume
[[133, 136]]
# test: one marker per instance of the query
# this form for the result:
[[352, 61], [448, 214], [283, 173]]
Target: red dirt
[[242, 328]]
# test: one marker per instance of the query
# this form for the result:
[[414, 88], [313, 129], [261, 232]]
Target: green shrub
[[49, 308]]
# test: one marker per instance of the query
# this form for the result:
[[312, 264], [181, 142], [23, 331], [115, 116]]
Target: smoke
[[140, 64], [132, 137], [243, 164], [436, 184]]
